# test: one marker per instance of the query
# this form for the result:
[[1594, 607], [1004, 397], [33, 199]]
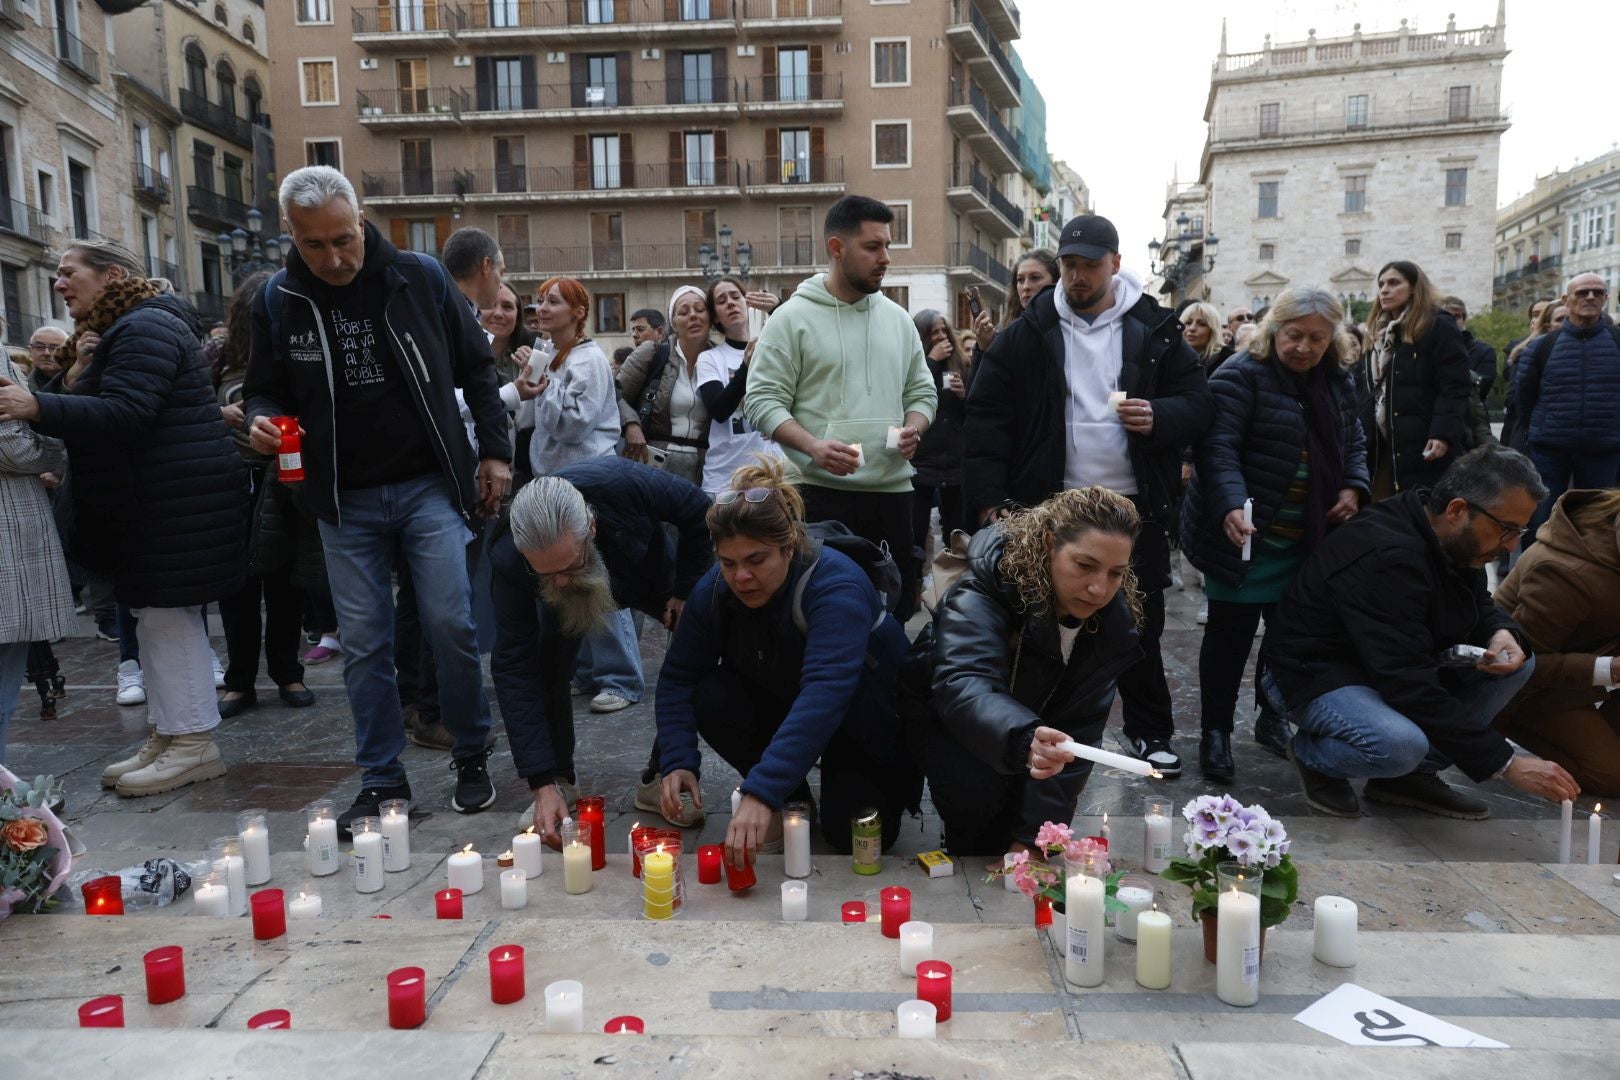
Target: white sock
[[330, 642]]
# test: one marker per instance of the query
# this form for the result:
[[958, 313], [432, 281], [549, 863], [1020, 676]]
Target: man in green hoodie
[[839, 379]]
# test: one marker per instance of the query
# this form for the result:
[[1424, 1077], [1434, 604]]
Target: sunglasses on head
[[753, 496]]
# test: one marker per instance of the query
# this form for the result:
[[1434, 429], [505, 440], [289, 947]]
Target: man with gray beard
[[596, 536]]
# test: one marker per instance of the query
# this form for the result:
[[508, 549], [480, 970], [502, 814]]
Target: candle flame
[[637, 825], [506, 854], [1598, 809], [301, 896], [505, 956], [660, 849], [1155, 905], [1156, 775], [529, 831], [1105, 819], [467, 850]]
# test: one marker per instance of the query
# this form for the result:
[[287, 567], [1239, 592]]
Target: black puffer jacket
[[1429, 387], [1252, 451], [159, 491], [939, 453]]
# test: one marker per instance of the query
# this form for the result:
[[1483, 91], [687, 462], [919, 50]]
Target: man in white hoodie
[[1093, 384]]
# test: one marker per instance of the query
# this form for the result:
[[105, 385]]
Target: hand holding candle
[[1107, 758]]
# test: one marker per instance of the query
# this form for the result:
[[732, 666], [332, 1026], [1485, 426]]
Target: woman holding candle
[[1027, 648], [1286, 435]]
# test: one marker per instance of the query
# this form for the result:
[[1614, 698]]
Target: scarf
[[1326, 473], [1383, 364], [108, 307]]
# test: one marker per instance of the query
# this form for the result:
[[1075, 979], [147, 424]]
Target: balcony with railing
[[653, 98], [405, 23], [216, 118], [215, 209], [970, 34], [429, 106], [788, 94], [973, 259], [157, 268], [972, 192], [1325, 119], [672, 259], [593, 21], [150, 184], [1287, 59], [796, 18], [78, 56], [818, 175], [20, 219], [971, 117], [1003, 17], [551, 183]]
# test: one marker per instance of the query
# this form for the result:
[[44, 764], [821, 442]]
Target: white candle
[[256, 854], [736, 799], [1237, 948], [233, 872], [212, 900], [1116, 398], [576, 867], [915, 1019], [526, 853], [467, 871], [1594, 830], [368, 862], [565, 1002], [795, 901], [304, 906], [1136, 900], [1007, 881], [514, 889], [1248, 520], [1109, 758], [1083, 904], [795, 843], [396, 841], [1335, 931], [1566, 825], [1153, 949], [1155, 841], [916, 945], [1104, 832], [322, 847]]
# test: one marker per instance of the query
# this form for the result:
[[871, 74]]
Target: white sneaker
[[608, 701], [1203, 613], [219, 671], [131, 683]]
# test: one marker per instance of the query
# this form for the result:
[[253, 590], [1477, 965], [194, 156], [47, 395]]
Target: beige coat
[[36, 600]]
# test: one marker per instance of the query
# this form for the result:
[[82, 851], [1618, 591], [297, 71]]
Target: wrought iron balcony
[[151, 184], [23, 220], [215, 208], [216, 118], [77, 55]]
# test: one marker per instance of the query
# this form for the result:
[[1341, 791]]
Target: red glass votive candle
[[1100, 841], [593, 808], [270, 1020], [407, 997], [447, 903], [739, 878], [102, 1012], [1043, 911], [934, 986], [709, 857], [625, 1025], [506, 974], [269, 914], [896, 909], [854, 911], [165, 975], [103, 896], [637, 835]]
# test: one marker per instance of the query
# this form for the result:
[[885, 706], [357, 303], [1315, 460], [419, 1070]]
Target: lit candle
[[1116, 398], [407, 997], [795, 901], [103, 895], [565, 1006], [1237, 948], [637, 833], [321, 842], [255, 834], [916, 945], [1084, 902], [102, 1012], [514, 889], [740, 878], [709, 856], [934, 987], [506, 967], [1109, 758], [225, 852], [1335, 931], [796, 840], [526, 852], [368, 854], [896, 905], [854, 911], [624, 1025], [270, 1020], [1104, 832], [592, 811], [212, 898], [576, 854], [914, 1019], [1153, 949], [658, 884], [1156, 835], [467, 871], [304, 906], [1566, 826], [1137, 899], [165, 974], [447, 904], [396, 835], [269, 914], [1594, 830]]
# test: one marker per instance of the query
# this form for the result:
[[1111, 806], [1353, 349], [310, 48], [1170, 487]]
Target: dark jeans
[[739, 727], [283, 610], [319, 615], [1224, 655], [1143, 690], [883, 517], [952, 515], [417, 671], [1564, 470]]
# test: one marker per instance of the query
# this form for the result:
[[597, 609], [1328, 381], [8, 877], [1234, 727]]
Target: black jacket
[[939, 453], [1429, 387], [1374, 606], [433, 338], [159, 492], [532, 662], [1015, 430], [1252, 451], [1481, 363]]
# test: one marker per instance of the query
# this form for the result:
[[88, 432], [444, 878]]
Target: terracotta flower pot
[[1211, 935]]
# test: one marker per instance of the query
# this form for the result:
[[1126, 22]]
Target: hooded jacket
[[844, 371]]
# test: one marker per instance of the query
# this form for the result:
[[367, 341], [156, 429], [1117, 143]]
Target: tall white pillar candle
[[212, 899], [255, 834], [368, 857], [1156, 835], [795, 901], [796, 840], [915, 1019], [1594, 835], [916, 945], [526, 853], [1153, 949], [304, 906], [322, 846], [1248, 520], [467, 871], [1566, 825], [1105, 832], [396, 836], [1007, 881], [1335, 931], [1083, 904], [514, 889], [1136, 900], [736, 799], [565, 1000], [234, 873], [1237, 948]]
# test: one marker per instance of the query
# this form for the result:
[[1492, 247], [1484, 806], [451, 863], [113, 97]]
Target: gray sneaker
[[1427, 792]]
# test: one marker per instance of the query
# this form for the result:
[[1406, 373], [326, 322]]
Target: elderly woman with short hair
[[1287, 437]]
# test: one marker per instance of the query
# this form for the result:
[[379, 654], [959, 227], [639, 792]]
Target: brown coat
[[1565, 593]]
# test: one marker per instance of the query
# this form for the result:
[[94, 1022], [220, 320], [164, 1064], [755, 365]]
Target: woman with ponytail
[[575, 413]]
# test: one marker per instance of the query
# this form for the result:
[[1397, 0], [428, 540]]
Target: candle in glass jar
[[225, 853], [212, 898], [466, 871], [1084, 902], [1153, 949], [1137, 896], [565, 1006], [255, 833], [854, 911], [396, 835], [896, 909], [795, 901], [637, 834], [506, 970], [407, 997], [934, 987], [914, 1019], [270, 1020], [321, 842], [306, 905], [916, 945], [368, 854], [625, 1025], [739, 878], [1335, 941], [658, 884], [447, 904], [709, 857], [796, 840], [1156, 835], [165, 974], [514, 889], [526, 849], [592, 811], [1237, 947], [576, 852], [103, 895], [269, 914], [102, 1012]]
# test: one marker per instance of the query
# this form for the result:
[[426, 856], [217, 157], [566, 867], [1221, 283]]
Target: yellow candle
[[658, 884], [577, 867]]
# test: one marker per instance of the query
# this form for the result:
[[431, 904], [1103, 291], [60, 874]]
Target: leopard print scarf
[[114, 300]]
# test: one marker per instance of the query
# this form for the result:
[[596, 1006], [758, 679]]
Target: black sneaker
[[369, 804], [1329, 794], [474, 792], [1426, 791], [1155, 752]]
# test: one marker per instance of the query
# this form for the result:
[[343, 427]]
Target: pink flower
[[24, 834], [1053, 835], [1024, 878]]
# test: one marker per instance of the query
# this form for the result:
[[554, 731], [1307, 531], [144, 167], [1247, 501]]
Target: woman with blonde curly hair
[[771, 666], [1028, 647]]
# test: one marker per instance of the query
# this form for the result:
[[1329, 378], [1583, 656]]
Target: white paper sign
[[1355, 1015]]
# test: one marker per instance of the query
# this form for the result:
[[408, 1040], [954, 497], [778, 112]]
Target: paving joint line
[[214, 1023], [454, 976]]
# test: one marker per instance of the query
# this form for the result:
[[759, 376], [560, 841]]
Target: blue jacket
[[1251, 451], [845, 677], [1569, 392]]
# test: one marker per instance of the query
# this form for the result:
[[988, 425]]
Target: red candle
[[270, 1020], [102, 1012], [1100, 841], [637, 835], [593, 808], [896, 909], [165, 975], [269, 914], [289, 451], [709, 856], [506, 974], [934, 985], [624, 1025], [447, 903], [739, 878], [854, 911], [103, 896], [407, 997], [1043, 911]]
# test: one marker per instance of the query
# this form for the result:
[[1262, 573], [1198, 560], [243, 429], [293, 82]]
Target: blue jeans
[[418, 518], [1352, 734], [1563, 470], [13, 666], [610, 658]]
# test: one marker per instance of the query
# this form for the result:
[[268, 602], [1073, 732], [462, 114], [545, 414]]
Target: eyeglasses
[[753, 496], [1582, 294], [568, 571], [1509, 532], [1242, 316]]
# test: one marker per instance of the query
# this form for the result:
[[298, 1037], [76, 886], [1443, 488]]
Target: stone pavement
[[1461, 919]]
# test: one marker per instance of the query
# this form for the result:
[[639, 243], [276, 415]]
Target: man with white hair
[[366, 346]]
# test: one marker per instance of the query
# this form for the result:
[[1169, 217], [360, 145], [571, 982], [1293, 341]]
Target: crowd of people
[[763, 476]]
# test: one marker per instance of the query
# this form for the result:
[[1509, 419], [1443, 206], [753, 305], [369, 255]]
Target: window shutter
[[773, 157], [816, 73], [674, 78], [396, 233], [672, 10], [577, 74], [627, 155], [576, 12], [582, 162], [677, 162], [768, 74], [722, 158], [531, 85], [818, 155], [621, 75], [385, 16], [485, 77], [442, 228], [721, 86]]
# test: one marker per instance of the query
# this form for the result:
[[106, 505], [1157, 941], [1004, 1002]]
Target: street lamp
[[1173, 259], [249, 251], [715, 262]]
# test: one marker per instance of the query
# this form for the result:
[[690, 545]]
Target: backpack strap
[[273, 303], [803, 624]]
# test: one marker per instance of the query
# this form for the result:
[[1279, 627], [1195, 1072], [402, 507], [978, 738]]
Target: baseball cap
[[1089, 236]]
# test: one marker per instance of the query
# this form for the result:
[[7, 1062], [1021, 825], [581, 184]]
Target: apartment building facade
[[631, 142], [1561, 227]]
